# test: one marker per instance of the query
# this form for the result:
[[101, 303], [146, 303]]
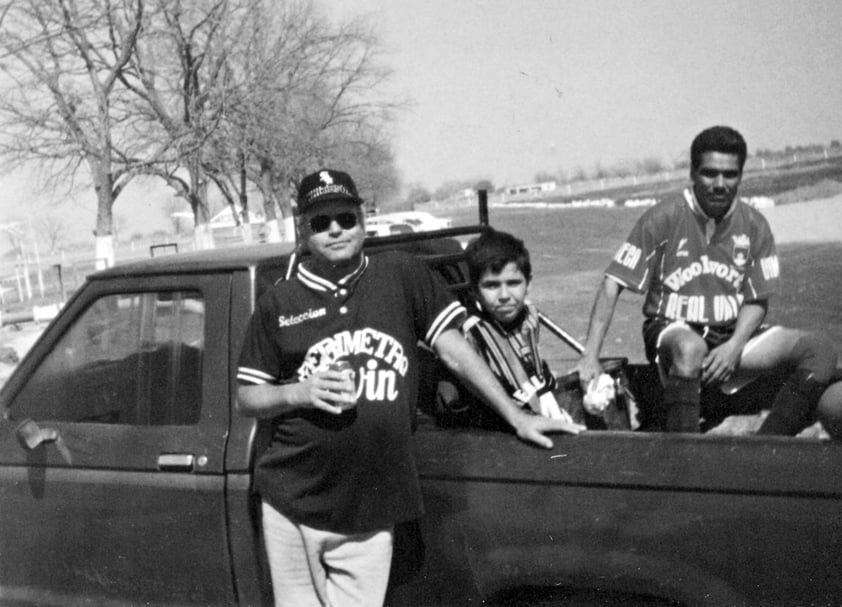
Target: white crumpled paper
[[600, 394]]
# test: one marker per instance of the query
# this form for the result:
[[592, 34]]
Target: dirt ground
[[813, 221]]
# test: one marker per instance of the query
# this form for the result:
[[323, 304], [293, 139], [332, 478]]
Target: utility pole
[[37, 259], [13, 229]]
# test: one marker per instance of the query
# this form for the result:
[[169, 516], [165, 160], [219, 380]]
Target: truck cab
[[125, 474]]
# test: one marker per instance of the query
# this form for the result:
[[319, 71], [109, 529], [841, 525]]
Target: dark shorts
[[713, 336], [715, 405]]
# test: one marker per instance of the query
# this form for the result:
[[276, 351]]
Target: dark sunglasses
[[321, 223]]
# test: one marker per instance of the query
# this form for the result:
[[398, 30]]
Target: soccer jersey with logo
[[352, 472], [693, 269]]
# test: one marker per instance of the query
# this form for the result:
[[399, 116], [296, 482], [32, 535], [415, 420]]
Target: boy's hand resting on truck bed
[[534, 428]]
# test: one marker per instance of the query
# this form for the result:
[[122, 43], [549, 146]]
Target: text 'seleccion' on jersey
[[353, 472]]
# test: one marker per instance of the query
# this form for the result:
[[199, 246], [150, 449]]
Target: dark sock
[[681, 399], [795, 405]]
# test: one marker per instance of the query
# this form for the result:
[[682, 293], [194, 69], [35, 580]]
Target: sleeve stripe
[[443, 320], [623, 283], [253, 376]]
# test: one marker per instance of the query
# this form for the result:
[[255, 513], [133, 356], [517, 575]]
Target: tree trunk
[[203, 237], [104, 232], [198, 197], [104, 256], [202, 233], [273, 232], [244, 202]]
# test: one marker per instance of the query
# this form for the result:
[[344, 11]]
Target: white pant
[[318, 568]]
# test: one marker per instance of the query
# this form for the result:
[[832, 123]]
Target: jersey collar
[[690, 198], [319, 283], [709, 222]]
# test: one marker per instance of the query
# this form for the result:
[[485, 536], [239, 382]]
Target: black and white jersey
[[352, 472]]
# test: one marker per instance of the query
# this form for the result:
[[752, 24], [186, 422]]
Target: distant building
[[531, 189]]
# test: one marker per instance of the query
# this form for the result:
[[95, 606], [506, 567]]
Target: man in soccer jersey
[[707, 266], [339, 472]]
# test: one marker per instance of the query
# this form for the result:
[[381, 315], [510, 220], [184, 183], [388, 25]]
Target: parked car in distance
[[401, 222], [377, 225], [422, 221]]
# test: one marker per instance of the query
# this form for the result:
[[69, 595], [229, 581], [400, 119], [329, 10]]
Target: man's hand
[[607, 295], [458, 356], [719, 364], [533, 428], [588, 368], [329, 391], [326, 390]]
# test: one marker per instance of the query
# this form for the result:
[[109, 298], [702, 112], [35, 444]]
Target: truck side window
[[131, 358]]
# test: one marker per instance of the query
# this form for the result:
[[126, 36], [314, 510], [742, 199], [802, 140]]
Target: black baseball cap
[[326, 184]]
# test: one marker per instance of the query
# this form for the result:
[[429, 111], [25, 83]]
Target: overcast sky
[[503, 89]]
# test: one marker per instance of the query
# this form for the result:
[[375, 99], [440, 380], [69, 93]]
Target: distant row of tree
[[625, 168], [813, 149], [236, 95]]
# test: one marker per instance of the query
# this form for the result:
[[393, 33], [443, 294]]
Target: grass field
[[571, 247]]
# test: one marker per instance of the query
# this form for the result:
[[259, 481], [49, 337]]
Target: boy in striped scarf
[[503, 328]]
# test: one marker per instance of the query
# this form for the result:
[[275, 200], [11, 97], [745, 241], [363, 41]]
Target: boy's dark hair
[[721, 139], [492, 251]]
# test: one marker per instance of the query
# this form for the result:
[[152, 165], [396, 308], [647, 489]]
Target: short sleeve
[[259, 360], [632, 263], [763, 275], [434, 308]]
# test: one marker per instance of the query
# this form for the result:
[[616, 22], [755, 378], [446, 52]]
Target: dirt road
[[812, 221]]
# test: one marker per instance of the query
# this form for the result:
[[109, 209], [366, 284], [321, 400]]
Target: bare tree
[[367, 155], [53, 230], [418, 194], [181, 78], [543, 176], [308, 92], [197, 92], [63, 60]]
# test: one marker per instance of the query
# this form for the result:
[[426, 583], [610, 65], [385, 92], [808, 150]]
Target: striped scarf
[[512, 354]]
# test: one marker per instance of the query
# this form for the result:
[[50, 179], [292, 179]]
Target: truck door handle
[[176, 462]]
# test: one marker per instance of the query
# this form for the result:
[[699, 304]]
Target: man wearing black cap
[[339, 473]]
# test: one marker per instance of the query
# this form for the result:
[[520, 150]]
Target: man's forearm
[[458, 356], [601, 315], [472, 371], [267, 400], [750, 317]]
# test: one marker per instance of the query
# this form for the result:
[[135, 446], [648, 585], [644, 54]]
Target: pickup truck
[[125, 474]]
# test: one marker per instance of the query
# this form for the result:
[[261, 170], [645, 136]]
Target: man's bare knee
[[815, 354], [685, 354]]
